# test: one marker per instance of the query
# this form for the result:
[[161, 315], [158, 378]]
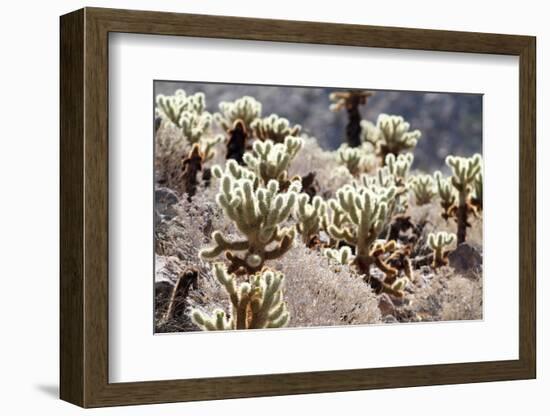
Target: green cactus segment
[[185, 112], [447, 195], [399, 167], [465, 171], [440, 244], [391, 135], [423, 187], [246, 109], [208, 147], [366, 213], [257, 214], [477, 195], [255, 305], [274, 128], [342, 256], [350, 157], [310, 217], [270, 161]]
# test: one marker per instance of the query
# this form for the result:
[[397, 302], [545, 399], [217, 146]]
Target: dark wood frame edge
[[84, 207]]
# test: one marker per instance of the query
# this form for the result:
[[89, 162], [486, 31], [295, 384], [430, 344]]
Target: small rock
[[165, 199], [389, 319], [386, 305], [466, 258]]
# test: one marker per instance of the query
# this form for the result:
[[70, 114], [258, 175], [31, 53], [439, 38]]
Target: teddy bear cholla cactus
[[258, 214], [439, 243], [310, 217], [193, 163], [270, 160], [447, 196], [342, 255], [395, 175], [390, 135], [465, 171], [366, 214], [274, 128], [356, 159], [246, 109], [351, 100], [187, 112], [423, 187], [255, 305]]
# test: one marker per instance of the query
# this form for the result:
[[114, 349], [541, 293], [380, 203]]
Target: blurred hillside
[[450, 123]]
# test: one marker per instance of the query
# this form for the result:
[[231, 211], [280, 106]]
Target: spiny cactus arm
[[378, 250], [350, 157], [477, 196], [309, 216], [394, 136], [440, 244], [423, 189], [217, 322], [399, 166], [447, 195], [245, 108], [271, 161], [266, 301], [343, 255], [274, 128], [464, 170], [208, 145], [221, 245]]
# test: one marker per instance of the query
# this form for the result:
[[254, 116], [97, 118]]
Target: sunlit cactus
[[476, 198], [246, 109], [391, 135], [270, 161], [424, 189], [274, 128], [399, 167], [255, 305], [351, 100], [465, 170], [447, 196], [187, 112], [310, 216], [258, 215], [341, 256], [440, 244]]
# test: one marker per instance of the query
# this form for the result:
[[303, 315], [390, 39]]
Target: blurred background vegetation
[[451, 123]]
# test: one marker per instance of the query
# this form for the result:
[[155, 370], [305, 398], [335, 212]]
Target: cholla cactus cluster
[[247, 109], [391, 135], [458, 192], [258, 214], [363, 228], [274, 128], [270, 160], [187, 112], [310, 217], [440, 244], [423, 187], [256, 305]]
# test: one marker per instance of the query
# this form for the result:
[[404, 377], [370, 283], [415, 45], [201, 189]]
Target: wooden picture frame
[[84, 207]]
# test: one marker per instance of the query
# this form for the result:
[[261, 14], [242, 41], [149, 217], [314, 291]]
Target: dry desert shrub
[[322, 295]]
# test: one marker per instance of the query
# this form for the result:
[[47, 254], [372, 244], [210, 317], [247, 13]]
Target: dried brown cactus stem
[[236, 143], [351, 100], [177, 304], [192, 164]]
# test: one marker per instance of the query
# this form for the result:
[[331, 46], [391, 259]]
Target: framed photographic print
[[256, 207]]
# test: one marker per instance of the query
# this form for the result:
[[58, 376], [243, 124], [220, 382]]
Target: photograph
[[304, 207]]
